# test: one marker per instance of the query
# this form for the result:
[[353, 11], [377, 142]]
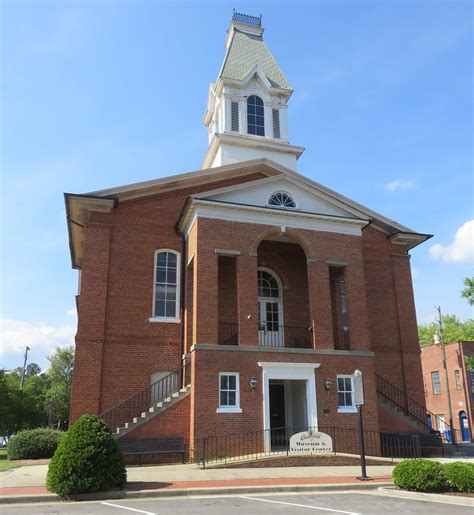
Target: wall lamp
[[328, 384], [253, 383]]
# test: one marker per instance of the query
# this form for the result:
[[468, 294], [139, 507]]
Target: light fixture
[[328, 384], [253, 383]]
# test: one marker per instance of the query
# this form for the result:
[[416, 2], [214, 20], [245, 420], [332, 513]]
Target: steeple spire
[[247, 106]]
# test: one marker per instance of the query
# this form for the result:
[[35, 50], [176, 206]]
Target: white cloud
[[460, 250], [15, 335], [71, 312], [401, 185]]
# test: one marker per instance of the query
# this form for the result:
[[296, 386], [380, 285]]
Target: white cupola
[[246, 111]]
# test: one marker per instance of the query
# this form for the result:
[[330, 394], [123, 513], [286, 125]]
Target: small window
[[229, 400], [234, 116], [166, 287], [276, 123], [281, 199], [436, 383], [345, 392], [457, 378], [255, 116]]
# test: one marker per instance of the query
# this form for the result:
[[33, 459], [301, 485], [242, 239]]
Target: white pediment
[[258, 193]]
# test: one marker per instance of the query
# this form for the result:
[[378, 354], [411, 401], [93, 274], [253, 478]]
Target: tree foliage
[[453, 329], [468, 291], [43, 394]]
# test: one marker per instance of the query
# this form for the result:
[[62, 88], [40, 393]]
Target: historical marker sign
[[310, 442], [358, 388]]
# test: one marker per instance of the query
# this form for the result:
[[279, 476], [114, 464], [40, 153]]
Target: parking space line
[[299, 505], [127, 508]]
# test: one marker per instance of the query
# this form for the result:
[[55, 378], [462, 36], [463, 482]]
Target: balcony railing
[[341, 339], [270, 335], [228, 333]]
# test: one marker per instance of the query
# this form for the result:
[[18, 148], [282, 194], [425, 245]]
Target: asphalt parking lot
[[336, 503]]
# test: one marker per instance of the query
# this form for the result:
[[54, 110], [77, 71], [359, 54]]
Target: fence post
[[204, 452]]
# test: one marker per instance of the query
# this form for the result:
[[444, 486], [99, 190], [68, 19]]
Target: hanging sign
[[310, 442], [358, 388]]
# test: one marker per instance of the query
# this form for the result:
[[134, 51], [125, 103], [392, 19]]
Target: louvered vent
[[234, 116], [276, 123]]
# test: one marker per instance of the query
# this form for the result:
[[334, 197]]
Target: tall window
[[255, 116], [457, 378], [345, 392], [229, 400], [166, 291], [436, 383], [339, 307]]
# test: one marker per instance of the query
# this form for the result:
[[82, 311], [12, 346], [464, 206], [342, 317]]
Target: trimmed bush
[[460, 476], [87, 460], [419, 475], [33, 444]]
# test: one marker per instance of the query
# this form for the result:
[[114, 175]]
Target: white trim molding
[[289, 371]]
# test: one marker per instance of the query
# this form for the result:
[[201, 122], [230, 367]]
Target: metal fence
[[255, 445]]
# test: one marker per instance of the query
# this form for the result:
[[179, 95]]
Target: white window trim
[[177, 318], [230, 409], [346, 409]]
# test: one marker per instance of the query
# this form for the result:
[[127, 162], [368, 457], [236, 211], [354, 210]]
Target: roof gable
[[257, 193]]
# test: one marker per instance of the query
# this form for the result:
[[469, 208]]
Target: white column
[[268, 121]]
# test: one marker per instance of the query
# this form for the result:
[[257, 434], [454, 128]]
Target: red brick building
[[268, 288], [461, 387]]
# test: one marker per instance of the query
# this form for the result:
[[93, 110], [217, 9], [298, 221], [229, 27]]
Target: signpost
[[359, 402]]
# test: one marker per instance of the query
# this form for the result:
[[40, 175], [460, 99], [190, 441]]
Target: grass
[[5, 463]]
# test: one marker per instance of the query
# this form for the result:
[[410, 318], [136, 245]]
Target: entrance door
[[270, 319], [464, 425], [277, 415]]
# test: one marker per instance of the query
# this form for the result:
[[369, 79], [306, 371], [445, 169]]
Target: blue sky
[[102, 93]]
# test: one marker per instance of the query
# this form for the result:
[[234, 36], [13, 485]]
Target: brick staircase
[[146, 404], [412, 412]]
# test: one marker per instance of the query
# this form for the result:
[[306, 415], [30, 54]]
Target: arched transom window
[[281, 199], [255, 116], [267, 285], [166, 288]]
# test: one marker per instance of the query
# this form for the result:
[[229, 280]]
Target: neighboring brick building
[[461, 386], [269, 288]]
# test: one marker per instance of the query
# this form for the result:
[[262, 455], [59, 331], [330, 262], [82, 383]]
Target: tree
[[454, 330], [32, 369], [59, 393], [468, 291]]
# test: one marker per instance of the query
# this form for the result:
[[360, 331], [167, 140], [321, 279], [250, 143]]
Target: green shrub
[[32, 444], [460, 476], [419, 475], [87, 460]]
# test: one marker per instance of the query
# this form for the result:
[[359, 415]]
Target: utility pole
[[24, 367], [443, 352]]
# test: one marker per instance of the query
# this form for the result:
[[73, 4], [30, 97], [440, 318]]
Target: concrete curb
[[192, 492], [422, 496]]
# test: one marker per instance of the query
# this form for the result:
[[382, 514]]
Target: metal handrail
[[141, 401], [294, 337], [409, 406]]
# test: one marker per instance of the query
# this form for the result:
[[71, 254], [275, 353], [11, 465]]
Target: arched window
[[281, 199], [167, 286], [267, 285], [255, 116]]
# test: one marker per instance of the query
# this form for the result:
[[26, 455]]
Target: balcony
[[228, 333], [286, 336]]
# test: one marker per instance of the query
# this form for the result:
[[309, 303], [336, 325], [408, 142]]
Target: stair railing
[[141, 401], [412, 408]]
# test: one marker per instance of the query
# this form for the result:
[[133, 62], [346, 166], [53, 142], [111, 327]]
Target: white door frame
[[289, 371], [279, 300]]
